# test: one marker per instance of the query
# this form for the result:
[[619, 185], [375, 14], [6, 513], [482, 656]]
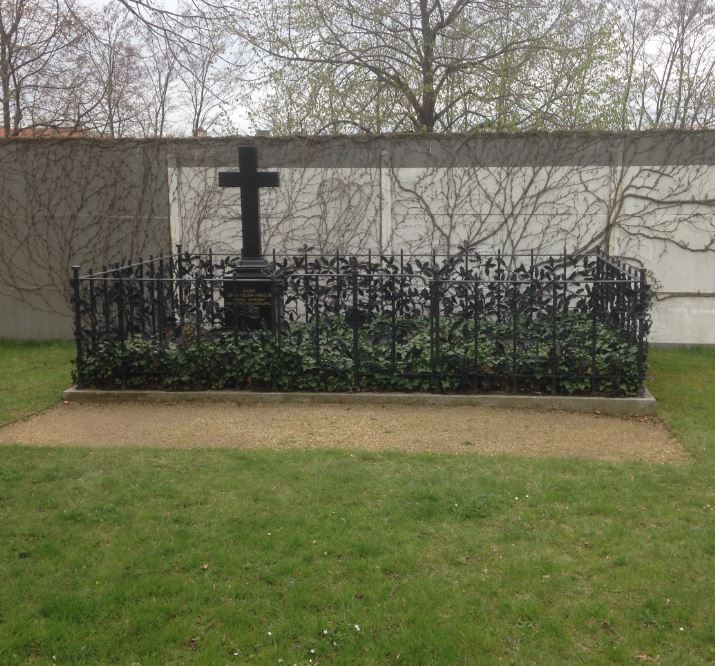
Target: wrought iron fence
[[468, 322]]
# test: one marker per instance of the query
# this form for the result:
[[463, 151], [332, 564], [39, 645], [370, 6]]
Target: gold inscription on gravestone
[[253, 299]]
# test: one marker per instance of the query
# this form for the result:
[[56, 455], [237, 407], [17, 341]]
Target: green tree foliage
[[451, 65]]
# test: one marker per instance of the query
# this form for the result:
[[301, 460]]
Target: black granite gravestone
[[247, 294]]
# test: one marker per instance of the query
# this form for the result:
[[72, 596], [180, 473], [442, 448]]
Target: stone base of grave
[[638, 406]]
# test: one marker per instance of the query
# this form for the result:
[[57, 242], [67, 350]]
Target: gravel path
[[461, 430]]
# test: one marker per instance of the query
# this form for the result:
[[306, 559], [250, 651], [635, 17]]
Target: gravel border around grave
[[357, 427]]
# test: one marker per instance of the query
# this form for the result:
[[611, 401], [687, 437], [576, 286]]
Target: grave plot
[[469, 323], [464, 323]]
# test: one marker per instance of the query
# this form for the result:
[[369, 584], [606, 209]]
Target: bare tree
[[112, 100], [159, 65], [682, 72], [35, 38], [668, 60], [634, 33], [207, 80]]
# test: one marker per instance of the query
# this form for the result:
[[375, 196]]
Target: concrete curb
[[641, 406]]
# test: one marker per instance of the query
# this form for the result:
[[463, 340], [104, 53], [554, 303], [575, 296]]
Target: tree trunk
[[5, 83], [428, 105]]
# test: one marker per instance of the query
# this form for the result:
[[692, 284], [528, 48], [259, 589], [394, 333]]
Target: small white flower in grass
[[357, 627], [312, 650], [270, 634], [325, 632], [682, 628]]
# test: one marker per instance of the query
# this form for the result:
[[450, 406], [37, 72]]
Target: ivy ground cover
[[570, 354]]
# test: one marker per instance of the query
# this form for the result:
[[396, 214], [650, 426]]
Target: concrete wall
[[20, 321], [645, 196], [73, 201], [648, 197]]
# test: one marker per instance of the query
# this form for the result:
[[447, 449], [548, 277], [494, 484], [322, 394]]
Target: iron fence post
[[435, 349], [393, 323], [129, 318], [554, 310], [142, 310], [210, 275], [197, 296], [151, 287], [641, 301], [78, 325], [318, 361], [370, 299], [530, 313], [356, 345], [93, 309], [338, 285], [161, 315], [402, 282], [306, 288], [498, 275], [514, 329], [594, 365], [565, 285], [180, 283], [276, 321], [121, 312], [475, 362]]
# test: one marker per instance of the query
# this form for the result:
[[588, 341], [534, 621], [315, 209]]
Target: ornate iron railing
[[468, 322]]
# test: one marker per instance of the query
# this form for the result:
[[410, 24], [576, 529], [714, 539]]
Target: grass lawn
[[32, 376], [223, 556]]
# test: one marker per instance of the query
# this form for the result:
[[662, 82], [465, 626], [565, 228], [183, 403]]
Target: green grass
[[32, 375], [434, 557]]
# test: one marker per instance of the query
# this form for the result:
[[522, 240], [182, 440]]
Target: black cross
[[249, 179]]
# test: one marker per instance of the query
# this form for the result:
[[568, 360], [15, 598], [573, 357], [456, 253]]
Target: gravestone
[[247, 293]]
